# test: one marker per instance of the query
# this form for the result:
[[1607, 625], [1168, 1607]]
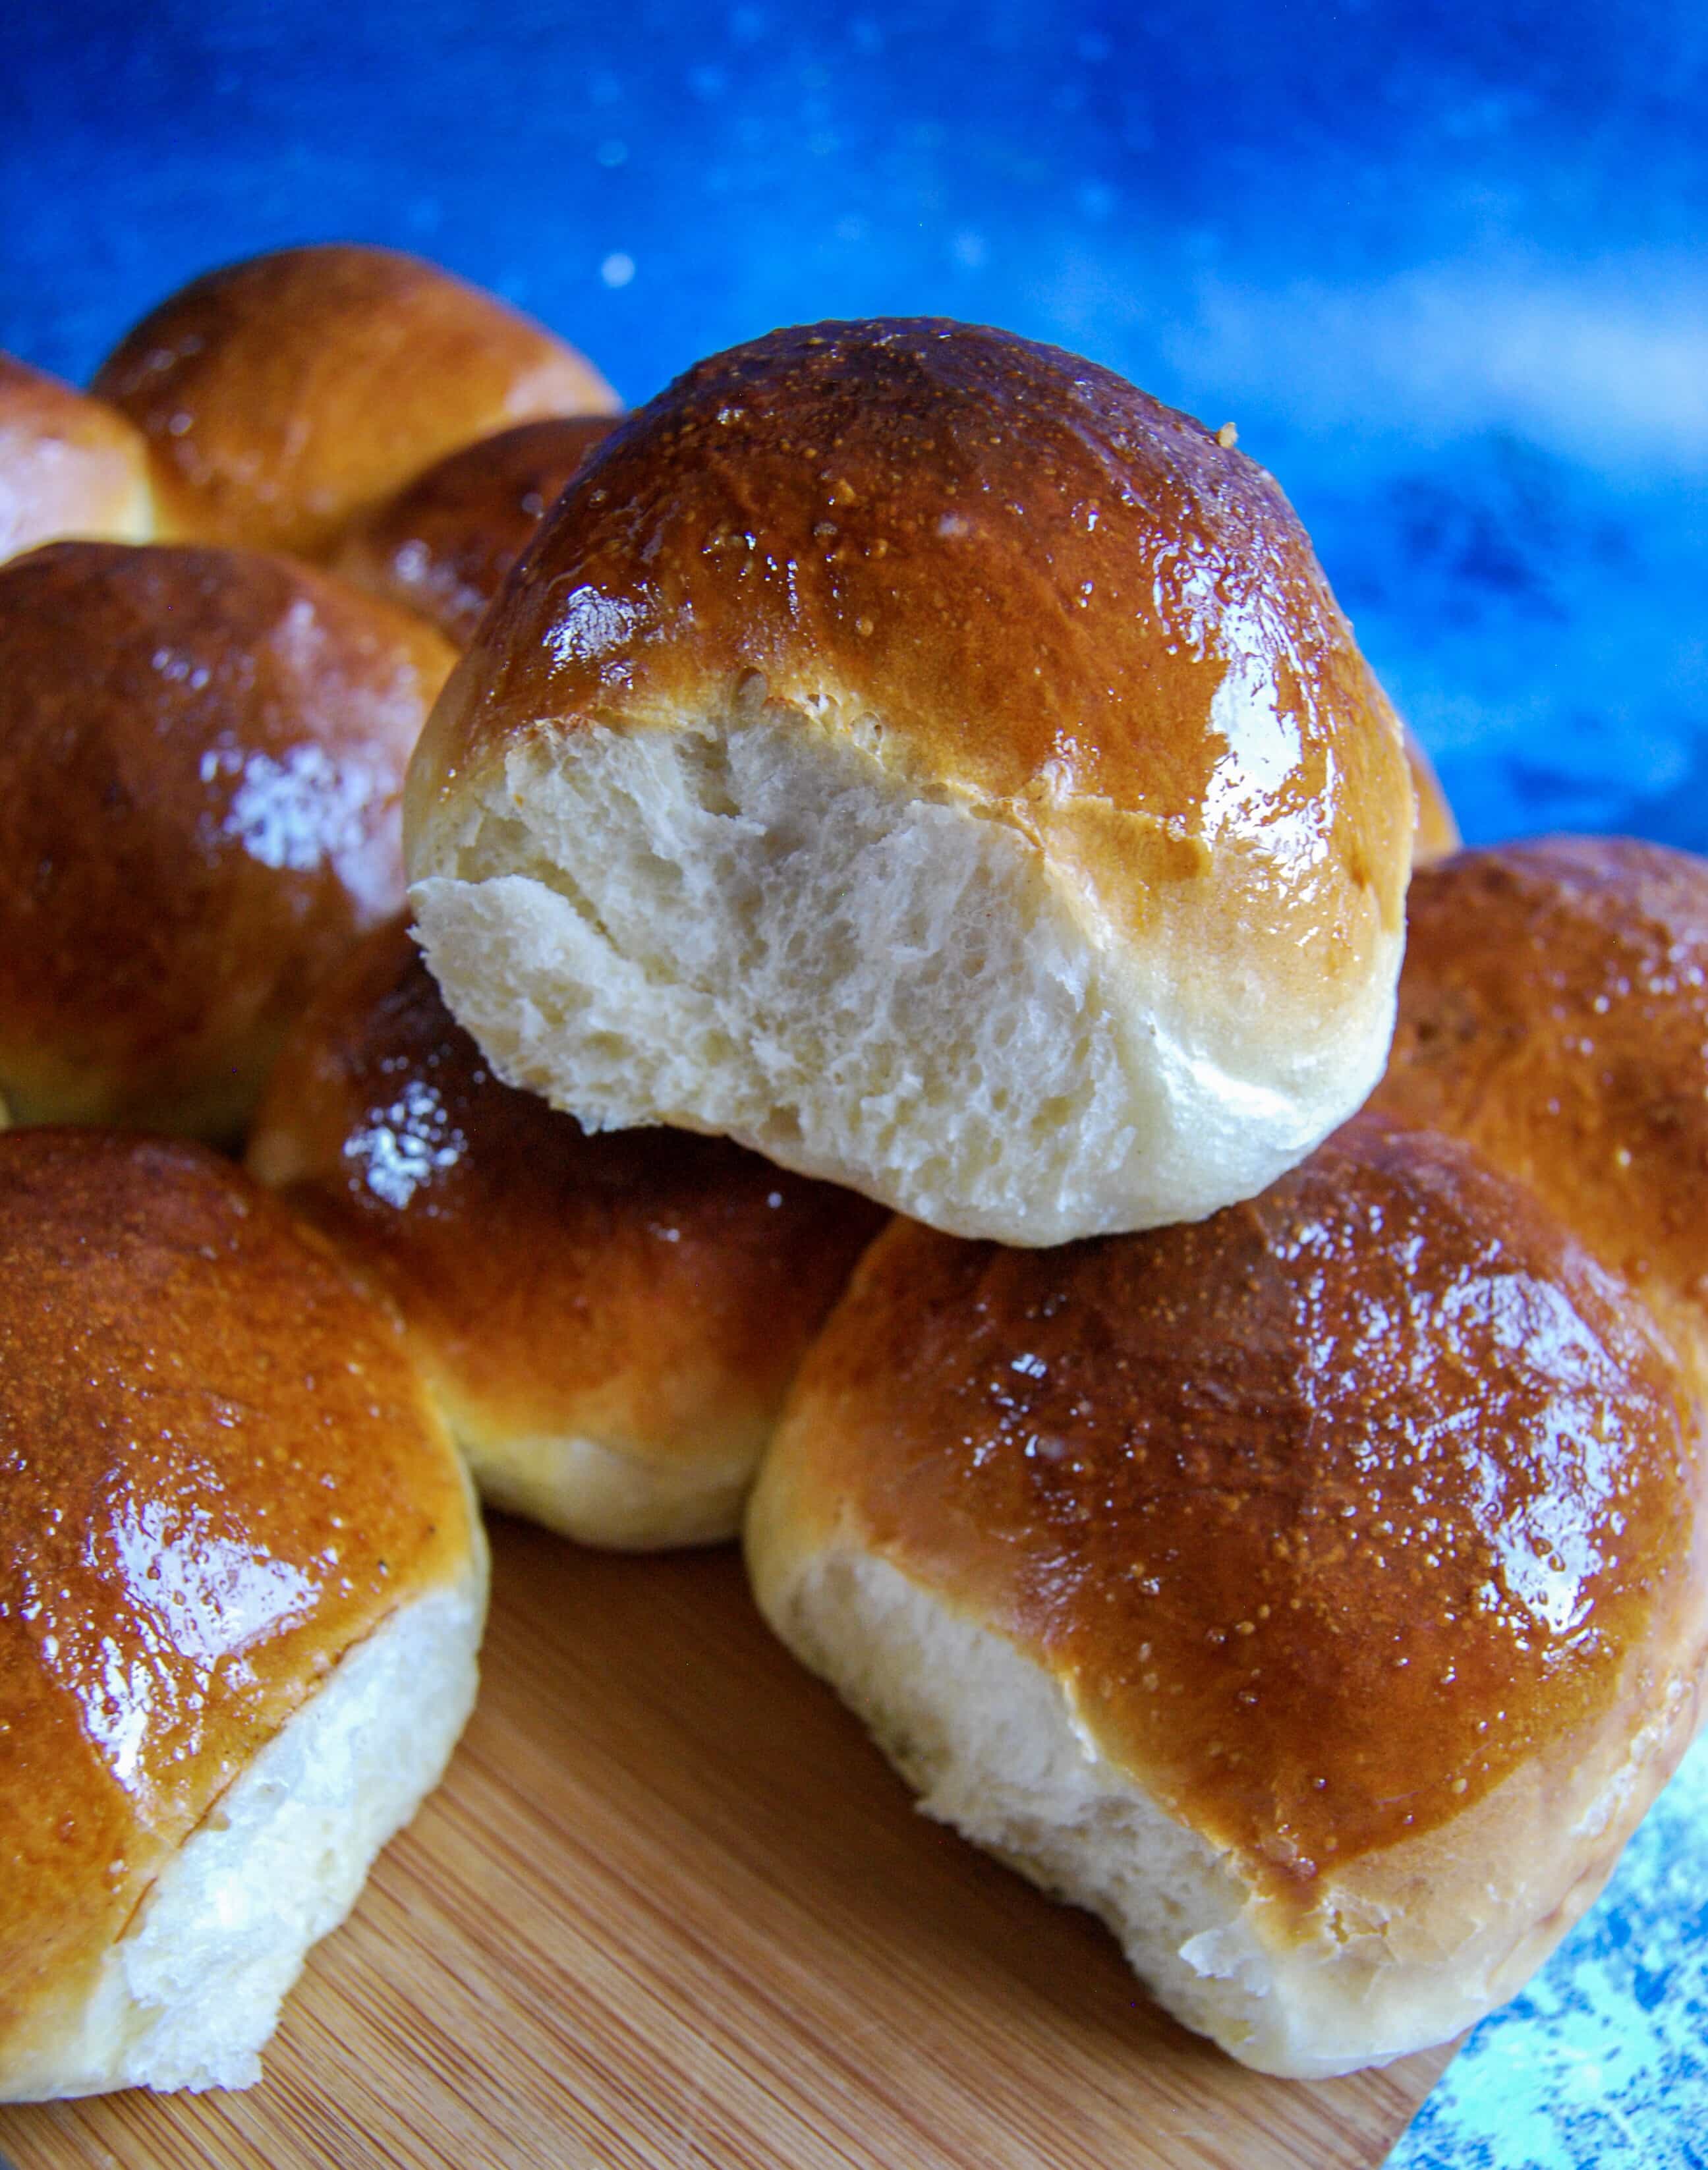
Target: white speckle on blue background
[[1603, 2060]]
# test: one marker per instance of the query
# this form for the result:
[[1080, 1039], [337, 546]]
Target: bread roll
[[607, 1323], [918, 755], [1316, 1593], [286, 396], [242, 1583], [443, 545], [200, 758], [1554, 1012], [68, 465]]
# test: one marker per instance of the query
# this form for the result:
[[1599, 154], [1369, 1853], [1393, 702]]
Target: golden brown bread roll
[[200, 758], [68, 465], [443, 545], [1554, 1012], [286, 396], [916, 753], [1317, 1593], [241, 1582], [608, 1324]]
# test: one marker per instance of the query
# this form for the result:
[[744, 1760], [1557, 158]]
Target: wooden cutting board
[[670, 1908]]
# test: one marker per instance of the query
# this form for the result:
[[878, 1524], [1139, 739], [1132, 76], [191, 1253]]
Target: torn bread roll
[[920, 755], [1316, 1593], [242, 1584], [201, 759], [608, 1324], [284, 396], [444, 545], [69, 465]]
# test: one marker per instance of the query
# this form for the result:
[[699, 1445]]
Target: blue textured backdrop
[[1442, 266]]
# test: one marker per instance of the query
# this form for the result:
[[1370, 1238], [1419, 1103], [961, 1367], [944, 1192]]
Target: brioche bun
[[1316, 1593], [1554, 1012], [200, 758], [242, 1583], [444, 543], [284, 396], [608, 1324], [68, 465], [918, 755]]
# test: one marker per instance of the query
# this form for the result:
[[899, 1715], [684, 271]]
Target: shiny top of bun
[[201, 754], [1334, 1509], [285, 396], [1011, 578], [218, 1474], [1554, 1011], [68, 465], [650, 1288], [443, 545]]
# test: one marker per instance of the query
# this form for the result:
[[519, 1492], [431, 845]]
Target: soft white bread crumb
[[750, 923], [187, 1997]]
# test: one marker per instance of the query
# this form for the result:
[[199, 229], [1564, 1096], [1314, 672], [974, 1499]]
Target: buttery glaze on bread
[[918, 755], [444, 545], [68, 465], [608, 1324], [201, 754], [1317, 1592], [241, 1586], [286, 396]]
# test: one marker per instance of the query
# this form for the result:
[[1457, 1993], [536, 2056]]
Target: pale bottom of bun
[[600, 1494], [749, 927], [189, 1994], [992, 1744]]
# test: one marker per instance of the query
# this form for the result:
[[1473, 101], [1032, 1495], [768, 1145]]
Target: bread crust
[[201, 754], [287, 395]]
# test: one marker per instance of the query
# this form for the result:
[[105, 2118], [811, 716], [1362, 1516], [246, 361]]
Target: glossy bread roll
[[916, 753], [284, 396], [201, 754], [242, 1583], [1554, 1012], [68, 465], [608, 1324], [1317, 1593], [444, 545]]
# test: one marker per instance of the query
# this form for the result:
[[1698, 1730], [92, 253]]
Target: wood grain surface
[[670, 1908]]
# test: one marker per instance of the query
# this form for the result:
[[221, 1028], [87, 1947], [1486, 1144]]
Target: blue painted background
[[1443, 265]]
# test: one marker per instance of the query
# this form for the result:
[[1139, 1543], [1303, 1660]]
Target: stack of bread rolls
[[242, 1574], [908, 887]]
